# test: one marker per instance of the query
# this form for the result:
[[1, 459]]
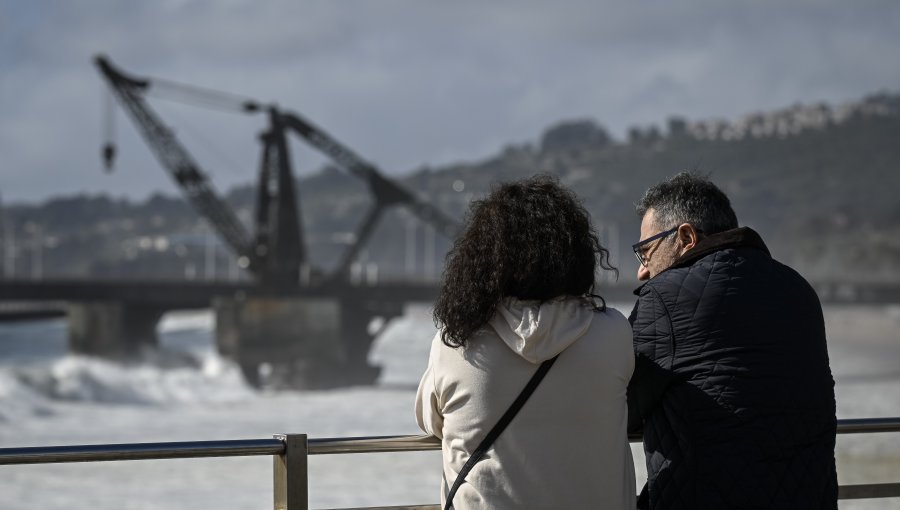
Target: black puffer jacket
[[732, 384]]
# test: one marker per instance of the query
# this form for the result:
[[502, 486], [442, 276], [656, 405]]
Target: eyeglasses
[[637, 248]]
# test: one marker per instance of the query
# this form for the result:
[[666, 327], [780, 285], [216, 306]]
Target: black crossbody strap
[[498, 428]]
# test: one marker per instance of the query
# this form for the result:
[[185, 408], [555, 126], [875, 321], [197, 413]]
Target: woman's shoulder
[[611, 313], [611, 325], [611, 317]]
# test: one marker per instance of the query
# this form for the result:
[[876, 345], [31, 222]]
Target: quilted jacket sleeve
[[654, 349]]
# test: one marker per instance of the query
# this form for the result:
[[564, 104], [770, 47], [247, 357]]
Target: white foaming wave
[[402, 348], [149, 382], [18, 399], [190, 320]]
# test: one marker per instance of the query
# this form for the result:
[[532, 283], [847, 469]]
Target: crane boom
[[178, 162], [386, 191]]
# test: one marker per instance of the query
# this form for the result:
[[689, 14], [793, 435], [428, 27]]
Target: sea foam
[[150, 380]]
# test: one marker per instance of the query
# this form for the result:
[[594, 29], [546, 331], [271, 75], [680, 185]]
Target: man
[[732, 386]]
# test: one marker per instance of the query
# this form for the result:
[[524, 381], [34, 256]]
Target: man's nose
[[643, 273]]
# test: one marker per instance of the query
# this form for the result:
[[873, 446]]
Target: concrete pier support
[[297, 342], [112, 329]]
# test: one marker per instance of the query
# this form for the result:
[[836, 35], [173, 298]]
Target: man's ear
[[687, 237]]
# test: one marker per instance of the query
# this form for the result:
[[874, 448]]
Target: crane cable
[[195, 135], [177, 92], [202, 97]]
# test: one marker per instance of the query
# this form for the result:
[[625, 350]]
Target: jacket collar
[[734, 238]]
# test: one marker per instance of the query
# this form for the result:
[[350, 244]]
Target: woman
[[517, 291]]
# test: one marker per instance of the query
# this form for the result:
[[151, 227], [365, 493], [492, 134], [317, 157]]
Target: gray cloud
[[408, 83]]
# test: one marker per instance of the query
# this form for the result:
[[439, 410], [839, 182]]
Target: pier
[[309, 337]]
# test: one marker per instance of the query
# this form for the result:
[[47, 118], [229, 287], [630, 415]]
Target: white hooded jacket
[[568, 446]]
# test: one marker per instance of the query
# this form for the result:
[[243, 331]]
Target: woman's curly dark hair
[[530, 239]]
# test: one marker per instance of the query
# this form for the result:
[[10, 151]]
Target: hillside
[[817, 181]]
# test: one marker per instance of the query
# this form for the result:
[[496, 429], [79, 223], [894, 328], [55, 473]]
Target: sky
[[409, 83]]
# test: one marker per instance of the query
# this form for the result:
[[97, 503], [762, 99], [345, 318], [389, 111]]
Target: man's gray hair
[[688, 198]]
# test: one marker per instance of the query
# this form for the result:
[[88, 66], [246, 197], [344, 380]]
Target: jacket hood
[[538, 331]]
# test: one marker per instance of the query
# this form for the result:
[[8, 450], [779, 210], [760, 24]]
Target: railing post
[[291, 473]]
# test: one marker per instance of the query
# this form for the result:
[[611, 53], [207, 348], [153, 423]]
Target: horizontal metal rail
[[868, 425], [869, 491], [290, 452], [402, 507], [375, 444], [321, 446], [140, 451]]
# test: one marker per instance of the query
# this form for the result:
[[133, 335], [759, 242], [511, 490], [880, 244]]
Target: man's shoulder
[[712, 269], [733, 268], [666, 281]]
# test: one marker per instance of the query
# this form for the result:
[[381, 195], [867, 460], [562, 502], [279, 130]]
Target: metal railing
[[291, 452]]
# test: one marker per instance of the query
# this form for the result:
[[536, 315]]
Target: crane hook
[[108, 152], [109, 156]]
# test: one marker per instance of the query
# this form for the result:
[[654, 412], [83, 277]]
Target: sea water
[[186, 392]]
